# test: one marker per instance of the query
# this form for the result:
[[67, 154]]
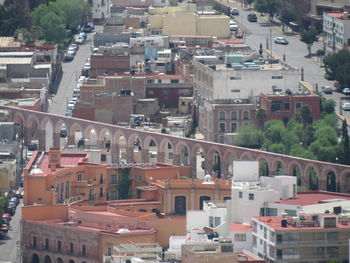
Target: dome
[[123, 230], [207, 177], [36, 171]]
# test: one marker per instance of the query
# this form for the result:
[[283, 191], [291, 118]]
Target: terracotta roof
[[338, 15], [164, 76], [313, 197], [237, 227]]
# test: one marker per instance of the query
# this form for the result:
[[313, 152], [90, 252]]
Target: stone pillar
[[169, 208], [193, 165], [129, 154], [224, 169], [56, 140], [161, 157], [216, 195], [177, 159], [322, 182], [192, 200], [115, 152], [145, 156], [42, 140], [305, 179], [209, 166], [27, 135], [71, 139]]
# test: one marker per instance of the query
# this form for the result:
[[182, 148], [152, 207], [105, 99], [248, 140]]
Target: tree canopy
[[309, 37], [269, 7], [337, 66]]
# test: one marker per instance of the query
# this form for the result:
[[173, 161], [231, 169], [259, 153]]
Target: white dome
[[207, 177], [36, 171], [123, 230]]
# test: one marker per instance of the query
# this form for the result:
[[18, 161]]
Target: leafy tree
[[345, 155], [342, 75], [335, 61], [28, 37], [51, 28], [305, 114], [289, 139], [248, 2], [287, 17], [309, 37], [269, 7], [327, 105], [2, 204], [299, 151], [13, 16], [261, 117], [325, 144], [277, 148], [274, 131], [249, 136]]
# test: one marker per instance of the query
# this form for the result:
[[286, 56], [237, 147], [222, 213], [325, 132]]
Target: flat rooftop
[[315, 197]]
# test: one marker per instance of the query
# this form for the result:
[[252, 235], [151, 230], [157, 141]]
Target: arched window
[[101, 178], [47, 259], [35, 258], [83, 251], [180, 205]]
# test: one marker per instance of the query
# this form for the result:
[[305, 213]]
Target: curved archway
[[166, 152], [135, 147], [71, 261], [32, 126], [181, 154], [91, 136], [47, 259], [278, 167], [344, 182], [19, 120], [60, 134], [246, 157], [119, 147], [228, 159], [313, 185], [331, 182], [75, 133], [35, 258], [105, 139], [59, 260], [264, 167], [150, 144]]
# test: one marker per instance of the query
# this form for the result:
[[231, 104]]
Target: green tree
[[269, 7], [287, 17], [261, 116], [343, 76], [277, 148], [305, 114], [249, 136], [309, 37], [289, 138], [327, 105], [299, 151], [248, 2], [274, 131], [335, 62], [51, 28], [345, 155], [13, 16], [27, 36]]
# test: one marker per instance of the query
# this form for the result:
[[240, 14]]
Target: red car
[[239, 35], [4, 228], [7, 216]]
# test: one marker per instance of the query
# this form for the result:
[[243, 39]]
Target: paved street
[[295, 52], [71, 73], [9, 249]]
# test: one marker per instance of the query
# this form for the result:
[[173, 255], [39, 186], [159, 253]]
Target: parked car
[[281, 41], [68, 56], [71, 105], [234, 11], [79, 40], [239, 34], [346, 106], [32, 147], [75, 46], [328, 76], [346, 91], [88, 28], [15, 200], [83, 34], [4, 228], [234, 27], [252, 17], [69, 112], [327, 90], [6, 216]]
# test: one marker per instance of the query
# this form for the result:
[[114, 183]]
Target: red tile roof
[[237, 227], [338, 15], [313, 197]]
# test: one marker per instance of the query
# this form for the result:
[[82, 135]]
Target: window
[[319, 235], [277, 77], [113, 179], [222, 115], [235, 78], [214, 221], [251, 196], [286, 106], [234, 115], [103, 158], [332, 235], [332, 252], [150, 92], [222, 127], [34, 242], [83, 250], [240, 194], [221, 139], [233, 126], [246, 115], [101, 178], [47, 244], [71, 248], [101, 191], [109, 251], [276, 106], [149, 81], [291, 212], [79, 177], [235, 90], [298, 105], [160, 64], [139, 178], [174, 81], [240, 237], [59, 246]]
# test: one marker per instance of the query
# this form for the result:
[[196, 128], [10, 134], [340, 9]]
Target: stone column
[[169, 202], [177, 159], [161, 157], [192, 200], [115, 152], [322, 182], [71, 139], [224, 169], [27, 135], [42, 140], [305, 180], [145, 156], [209, 166], [56, 140], [129, 154], [193, 165]]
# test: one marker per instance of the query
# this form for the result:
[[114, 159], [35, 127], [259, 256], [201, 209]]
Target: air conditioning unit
[[237, 101]]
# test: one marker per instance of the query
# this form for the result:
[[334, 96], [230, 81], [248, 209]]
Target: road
[[71, 73], [262, 33], [9, 247]]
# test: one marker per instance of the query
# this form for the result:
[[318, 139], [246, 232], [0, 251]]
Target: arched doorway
[[199, 166], [71, 261], [313, 179], [331, 182], [279, 168], [180, 205], [184, 156], [202, 199], [216, 166], [59, 260], [152, 151], [47, 259], [35, 258], [297, 173], [264, 168]]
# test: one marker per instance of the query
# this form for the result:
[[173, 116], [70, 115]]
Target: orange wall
[[36, 190], [45, 212]]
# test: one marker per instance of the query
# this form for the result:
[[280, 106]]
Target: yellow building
[[189, 23], [7, 174]]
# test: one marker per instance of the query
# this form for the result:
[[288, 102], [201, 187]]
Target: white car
[[234, 27], [346, 106], [79, 40], [71, 105], [281, 40]]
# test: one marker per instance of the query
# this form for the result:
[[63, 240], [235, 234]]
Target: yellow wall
[[155, 21], [7, 175], [218, 26], [180, 23]]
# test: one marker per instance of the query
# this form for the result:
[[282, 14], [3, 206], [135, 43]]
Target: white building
[[337, 29], [100, 9]]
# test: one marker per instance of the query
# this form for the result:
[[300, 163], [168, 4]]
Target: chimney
[[54, 158]]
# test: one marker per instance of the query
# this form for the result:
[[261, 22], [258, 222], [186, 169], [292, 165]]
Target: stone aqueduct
[[185, 150]]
